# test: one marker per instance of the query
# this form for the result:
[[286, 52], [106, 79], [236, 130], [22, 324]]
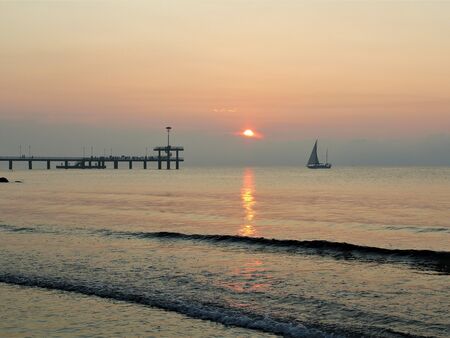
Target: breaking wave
[[434, 260], [226, 316], [438, 261]]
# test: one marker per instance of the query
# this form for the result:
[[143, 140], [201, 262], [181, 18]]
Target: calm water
[[226, 252]]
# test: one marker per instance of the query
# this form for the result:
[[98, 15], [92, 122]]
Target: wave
[[226, 316], [438, 261], [13, 228], [429, 259], [36, 229], [417, 229]]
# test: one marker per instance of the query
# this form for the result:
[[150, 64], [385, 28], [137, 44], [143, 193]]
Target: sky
[[370, 79]]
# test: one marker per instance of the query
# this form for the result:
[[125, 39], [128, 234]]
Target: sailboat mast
[[326, 156]]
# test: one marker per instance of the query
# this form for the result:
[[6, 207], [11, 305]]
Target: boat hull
[[319, 166]]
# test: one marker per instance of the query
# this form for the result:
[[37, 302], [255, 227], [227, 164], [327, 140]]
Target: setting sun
[[248, 133]]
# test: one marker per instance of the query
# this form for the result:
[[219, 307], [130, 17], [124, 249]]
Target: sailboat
[[313, 162]]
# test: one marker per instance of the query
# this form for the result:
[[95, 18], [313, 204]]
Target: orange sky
[[341, 68]]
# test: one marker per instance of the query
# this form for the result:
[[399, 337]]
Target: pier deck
[[165, 155]]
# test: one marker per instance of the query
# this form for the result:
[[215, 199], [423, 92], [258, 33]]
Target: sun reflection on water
[[248, 203], [248, 276]]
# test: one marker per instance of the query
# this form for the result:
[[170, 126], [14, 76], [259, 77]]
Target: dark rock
[[18, 182], [3, 180]]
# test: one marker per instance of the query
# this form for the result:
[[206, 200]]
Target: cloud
[[224, 110]]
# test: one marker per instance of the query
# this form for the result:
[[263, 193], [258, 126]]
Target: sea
[[226, 252]]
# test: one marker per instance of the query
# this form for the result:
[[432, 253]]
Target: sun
[[248, 133]]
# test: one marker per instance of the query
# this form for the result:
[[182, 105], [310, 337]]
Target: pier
[[163, 159], [166, 156]]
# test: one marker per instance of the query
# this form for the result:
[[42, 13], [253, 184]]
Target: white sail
[[313, 159]]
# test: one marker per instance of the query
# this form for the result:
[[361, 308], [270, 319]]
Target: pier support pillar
[[10, 165], [83, 164], [130, 165], [177, 163], [66, 164], [159, 159], [145, 164], [30, 165], [116, 164], [48, 165]]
